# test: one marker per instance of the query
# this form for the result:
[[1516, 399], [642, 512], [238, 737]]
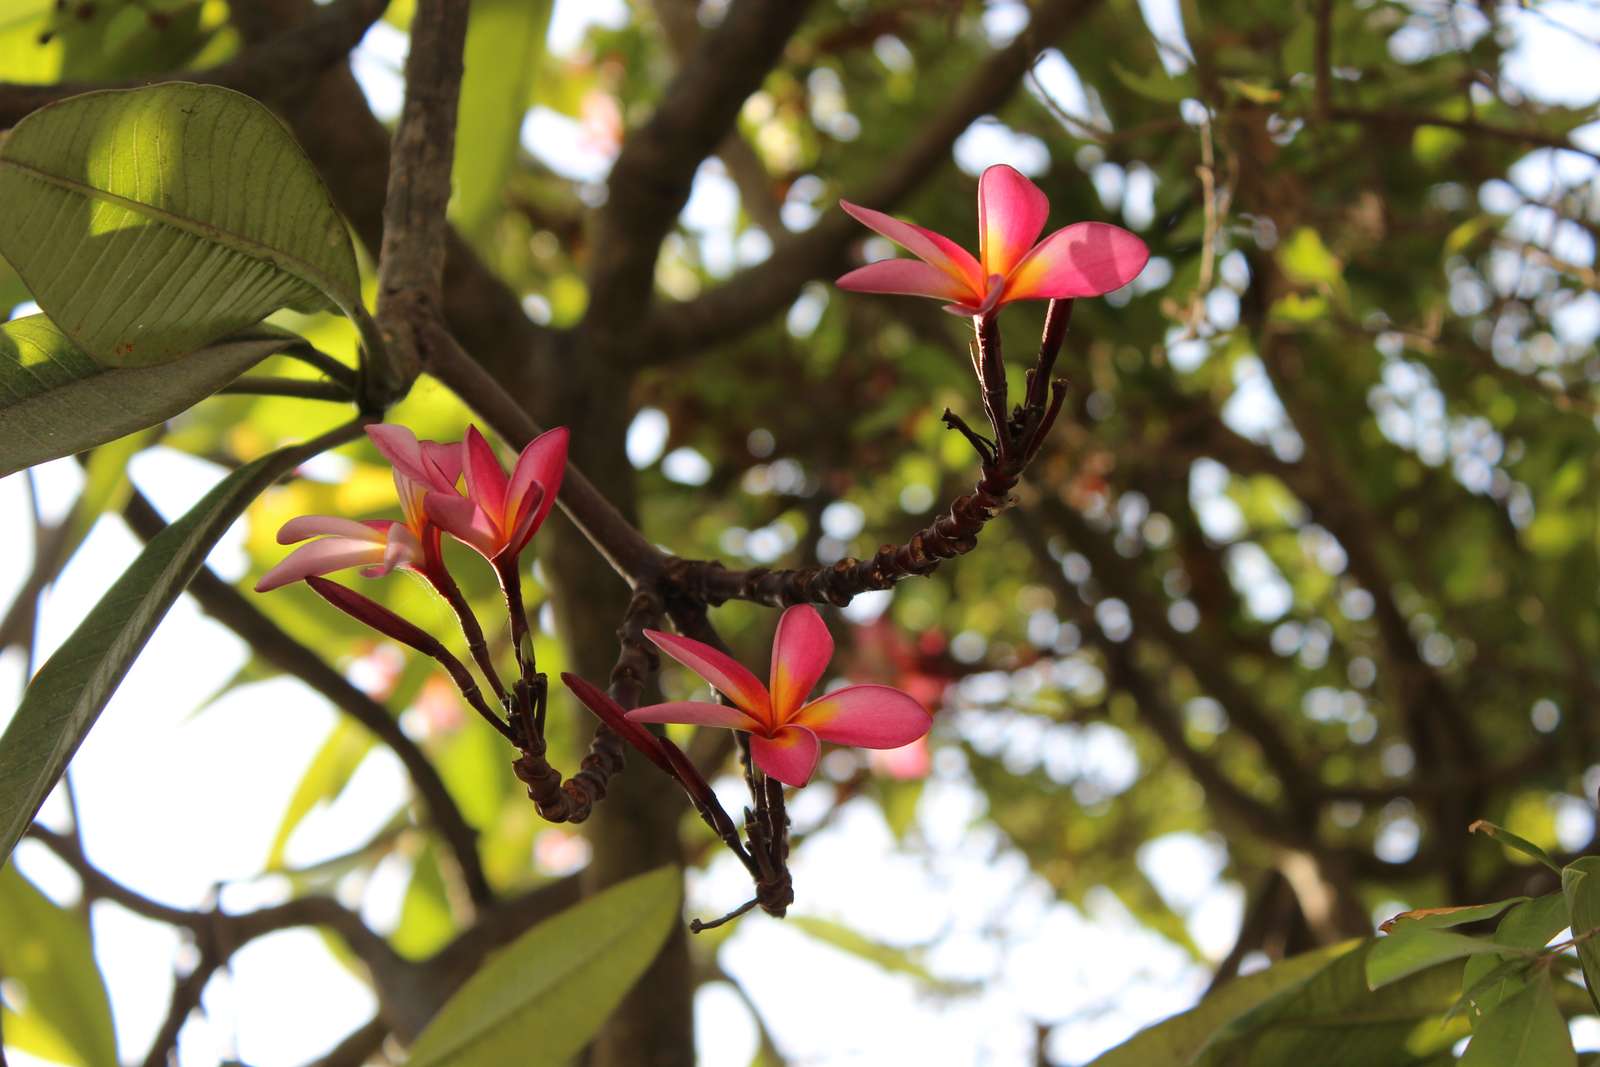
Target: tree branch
[[269, 71], [649, 183], [415, 231]]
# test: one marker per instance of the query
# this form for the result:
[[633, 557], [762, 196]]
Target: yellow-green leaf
[[149, 222]]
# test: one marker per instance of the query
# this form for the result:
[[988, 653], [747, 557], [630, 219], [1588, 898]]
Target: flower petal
[[789, 757], [526, 522], [695, 713], [321, 557], [801, 650], [465, 521], [906, 277], [444, 461], [304, 526], [1084, 259], [1011, 214], [486, 479], [541, 463], [867, 716], [934, 249], [732, 678], [401, 448]]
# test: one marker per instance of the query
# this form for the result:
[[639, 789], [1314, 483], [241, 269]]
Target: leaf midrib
[[287, 262]]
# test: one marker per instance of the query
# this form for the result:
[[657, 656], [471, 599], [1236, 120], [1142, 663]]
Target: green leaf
[[1525, 1031], [1334, 1020], [1528, 925], [1178, 1040], [46, 950], [426, 923], [149, 222], [67, 695], [55, 400], [1514, 842], [1580, 884], [539, 1001], [504, 54], [329, 772], [1439, 918], [1413, 949], [1158, 85], [888, 957]]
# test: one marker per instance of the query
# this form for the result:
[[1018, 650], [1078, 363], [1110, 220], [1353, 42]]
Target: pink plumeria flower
[[377, 545], [1084, 259], [501, 513], [784, 728]]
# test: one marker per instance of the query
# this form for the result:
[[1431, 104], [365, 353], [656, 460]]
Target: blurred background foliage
[[1307, 570]]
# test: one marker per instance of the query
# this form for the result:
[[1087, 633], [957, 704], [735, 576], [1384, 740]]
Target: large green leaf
[[538, 1002], [67, 695], [504, 51], [55, 400], [1178, 1040], [46, 950], [149, 222], [1334, 1020], [1408, 951], [1580, 883], [1527, 1030], [1487, 980]]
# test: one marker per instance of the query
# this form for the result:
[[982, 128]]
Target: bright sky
[[174, 801]]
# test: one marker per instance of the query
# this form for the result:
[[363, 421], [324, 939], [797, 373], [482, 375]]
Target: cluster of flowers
[[496, 514]]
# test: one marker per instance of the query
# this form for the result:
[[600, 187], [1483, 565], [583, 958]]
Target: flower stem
[[447, 588]]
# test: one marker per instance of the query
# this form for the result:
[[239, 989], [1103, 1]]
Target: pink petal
[[444, 461], [524, 524], [727, 674], [1011, 214], [1084, 259], [304, 526], [695, 713], [541, 463], [401, 448], [866, 716], [486, 479], [801, 650], [465, 521], [934, 249], [789, 757], [321, 557], [906, 277]]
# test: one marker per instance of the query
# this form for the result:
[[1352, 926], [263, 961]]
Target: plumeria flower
[[377, 545], [784, 727], [1083, 259], [500, 513]]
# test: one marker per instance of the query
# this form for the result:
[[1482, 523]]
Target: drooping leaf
[[541, 999], [1580, 884], [67, 695], [1178, 1040], [46, 950], [149, 222], [330, 770], [1526, 1030], [426, 922], [890, 958], [55, 400], [1412, 949], [504, 53]]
